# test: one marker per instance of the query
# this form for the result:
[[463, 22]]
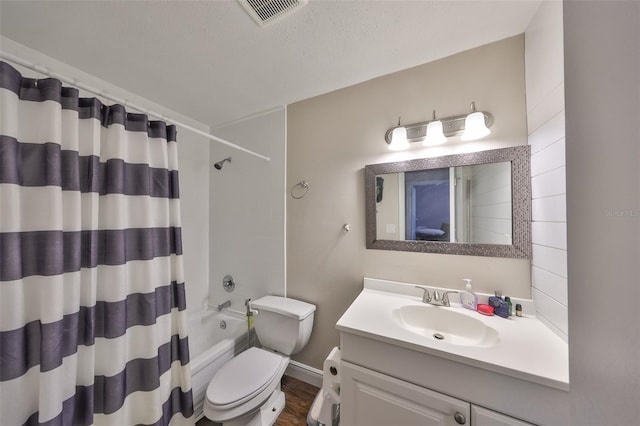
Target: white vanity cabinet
[[483, 417], [371, 398], [393, 375]]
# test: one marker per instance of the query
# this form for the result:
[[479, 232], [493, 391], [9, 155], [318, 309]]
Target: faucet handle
[[426, 297], [445, 297]]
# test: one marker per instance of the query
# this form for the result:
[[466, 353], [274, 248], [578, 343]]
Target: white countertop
[[527, 349]]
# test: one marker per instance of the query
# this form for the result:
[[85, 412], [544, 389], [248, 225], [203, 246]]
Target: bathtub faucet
[[224, 305]]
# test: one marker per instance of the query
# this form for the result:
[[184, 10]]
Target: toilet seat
[[244, 383]]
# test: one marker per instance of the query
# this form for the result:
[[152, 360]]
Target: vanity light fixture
[[474, 125], [398, 139], [435, 134], [471, 126]]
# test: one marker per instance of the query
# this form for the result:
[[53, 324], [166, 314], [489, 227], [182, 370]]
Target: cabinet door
[[484, 417], [369, 398]]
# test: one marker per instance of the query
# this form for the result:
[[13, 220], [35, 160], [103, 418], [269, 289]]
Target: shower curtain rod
[[38, 68]]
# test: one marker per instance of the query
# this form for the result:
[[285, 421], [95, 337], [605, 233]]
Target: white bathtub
[[210, 347]]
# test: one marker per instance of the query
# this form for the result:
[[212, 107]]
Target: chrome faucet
[[435, 299], [426, 297], [224, 305]]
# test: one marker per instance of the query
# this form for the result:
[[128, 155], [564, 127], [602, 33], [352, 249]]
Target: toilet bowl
[[246, 390]]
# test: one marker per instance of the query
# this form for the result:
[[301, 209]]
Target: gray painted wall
[[602, 80], [332, 137]]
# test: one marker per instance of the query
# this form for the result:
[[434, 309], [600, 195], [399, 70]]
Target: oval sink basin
[[445, 324]]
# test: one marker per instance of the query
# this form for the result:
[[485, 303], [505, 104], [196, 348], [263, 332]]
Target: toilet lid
[[243, 377]]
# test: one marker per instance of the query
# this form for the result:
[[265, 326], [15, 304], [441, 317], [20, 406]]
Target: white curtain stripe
[[31, 293], [82, 212], [172, 151], [93, 326], [112, 355], [20, 397], [8, 113], [142, 276], [47, 114], [44, 205], [33, 392]]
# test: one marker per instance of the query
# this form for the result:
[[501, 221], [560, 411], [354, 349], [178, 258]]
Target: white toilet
[[246, 390]]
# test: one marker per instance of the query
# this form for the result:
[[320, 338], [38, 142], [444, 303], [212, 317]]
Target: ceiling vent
[[265, 12]]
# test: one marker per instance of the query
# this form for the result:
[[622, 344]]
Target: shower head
[[219, 164]]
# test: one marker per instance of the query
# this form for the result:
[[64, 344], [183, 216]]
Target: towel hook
[[305, 188]]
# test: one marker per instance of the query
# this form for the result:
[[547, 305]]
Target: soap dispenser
[[468, 298]]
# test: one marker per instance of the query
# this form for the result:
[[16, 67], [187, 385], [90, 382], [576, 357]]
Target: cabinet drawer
[[484, 417], [371, 398]]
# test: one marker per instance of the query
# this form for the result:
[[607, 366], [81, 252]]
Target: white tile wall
[[546, 124], [549, 209], [554, 285], [539, 114], [551, 259], [550, 234], [549, 183], [549, 158], [552, 311], [543, 136]]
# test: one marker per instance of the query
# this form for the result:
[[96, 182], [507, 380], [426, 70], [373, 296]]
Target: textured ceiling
[[210, 61]]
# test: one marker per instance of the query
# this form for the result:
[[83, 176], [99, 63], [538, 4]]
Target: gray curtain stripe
[[87, 108], [114, 318], [49, 343], [34, 164], [56, 252], [44, 344], [139, 375], [36, 90], [25, 163]]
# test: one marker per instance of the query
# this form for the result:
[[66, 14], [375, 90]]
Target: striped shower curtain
[[92, 295]]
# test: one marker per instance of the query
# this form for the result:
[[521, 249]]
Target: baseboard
[[303, 372]]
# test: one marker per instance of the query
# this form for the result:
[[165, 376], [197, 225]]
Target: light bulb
[[399, 138], [435, 134], [474, 125]]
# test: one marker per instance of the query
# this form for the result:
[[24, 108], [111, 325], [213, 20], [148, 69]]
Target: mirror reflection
[[470, 204], [476, 204]]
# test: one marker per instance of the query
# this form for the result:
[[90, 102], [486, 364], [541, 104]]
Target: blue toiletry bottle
[[500, 307]]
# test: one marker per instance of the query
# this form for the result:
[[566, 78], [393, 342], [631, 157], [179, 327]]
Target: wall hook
[[346, 227]]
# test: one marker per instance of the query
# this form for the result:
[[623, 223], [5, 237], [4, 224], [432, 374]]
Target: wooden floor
[[298, 395]]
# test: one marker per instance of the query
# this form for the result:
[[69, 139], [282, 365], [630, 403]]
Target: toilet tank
[[283, 324]]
